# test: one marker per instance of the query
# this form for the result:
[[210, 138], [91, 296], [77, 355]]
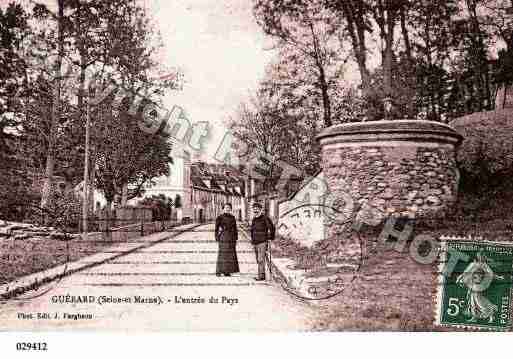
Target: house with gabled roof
[[214, 185], [203, 187]]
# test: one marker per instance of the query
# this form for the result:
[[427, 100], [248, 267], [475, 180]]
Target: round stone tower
[[403, 168]]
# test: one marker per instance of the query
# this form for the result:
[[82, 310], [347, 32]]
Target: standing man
[[262, 231]]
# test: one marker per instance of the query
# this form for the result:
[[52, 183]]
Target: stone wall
[[303, 216], [409, 181], [400, 168]]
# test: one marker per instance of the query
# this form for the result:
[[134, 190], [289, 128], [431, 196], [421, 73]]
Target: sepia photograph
[[250, 166]]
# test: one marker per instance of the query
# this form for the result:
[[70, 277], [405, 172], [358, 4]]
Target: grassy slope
[[393, 292], [22, 257]]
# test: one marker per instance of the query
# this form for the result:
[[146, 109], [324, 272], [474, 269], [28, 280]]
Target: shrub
[[161, 206], [64, 212], [486, 155]]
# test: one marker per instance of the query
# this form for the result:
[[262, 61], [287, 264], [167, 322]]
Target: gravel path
[[176, 273]]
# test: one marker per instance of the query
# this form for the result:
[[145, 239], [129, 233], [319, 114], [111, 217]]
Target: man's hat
[[257, 205]]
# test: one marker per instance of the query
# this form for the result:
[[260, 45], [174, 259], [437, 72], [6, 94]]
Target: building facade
[[203, 189], [211, 187], [176, 186]]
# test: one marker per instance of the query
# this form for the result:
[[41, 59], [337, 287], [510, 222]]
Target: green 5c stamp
[[476, 281]]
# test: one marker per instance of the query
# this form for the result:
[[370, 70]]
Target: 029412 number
[[32, 346]]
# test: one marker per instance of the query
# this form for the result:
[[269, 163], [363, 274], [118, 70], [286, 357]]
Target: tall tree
[[125, 154], [309, 32], [475, 45], [56, 103], [137, 159], [357, 25], [109, 44], [14, 184], [427, 33]]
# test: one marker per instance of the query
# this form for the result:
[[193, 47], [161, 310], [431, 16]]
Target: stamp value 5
[[476, 281]]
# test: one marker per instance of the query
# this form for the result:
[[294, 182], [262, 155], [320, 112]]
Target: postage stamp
[[475, 285]]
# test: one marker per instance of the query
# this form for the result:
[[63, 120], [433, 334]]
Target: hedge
[[486, 154]]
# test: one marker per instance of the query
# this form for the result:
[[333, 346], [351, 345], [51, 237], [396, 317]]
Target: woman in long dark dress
[[227, 235]]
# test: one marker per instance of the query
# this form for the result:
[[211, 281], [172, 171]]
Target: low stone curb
[[36, 280], [291, 278]]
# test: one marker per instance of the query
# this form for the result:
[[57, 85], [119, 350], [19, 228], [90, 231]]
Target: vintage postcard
[[256, 165]]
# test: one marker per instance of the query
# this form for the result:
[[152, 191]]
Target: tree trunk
[[325, 100], [322, 81], [92, 174], [429, 58], [388, 56], [46, 194], [84, 108], [124, 195], [86, 195], [356, 28], [482, 78], [49, 169], [406, 37], [364, 74]]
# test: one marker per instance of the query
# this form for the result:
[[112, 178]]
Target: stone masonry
[[399, 168], [415, 181]]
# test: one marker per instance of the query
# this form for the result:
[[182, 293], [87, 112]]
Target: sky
[[221, 51]]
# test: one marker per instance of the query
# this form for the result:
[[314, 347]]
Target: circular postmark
[[31, 250], [316, 255]]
